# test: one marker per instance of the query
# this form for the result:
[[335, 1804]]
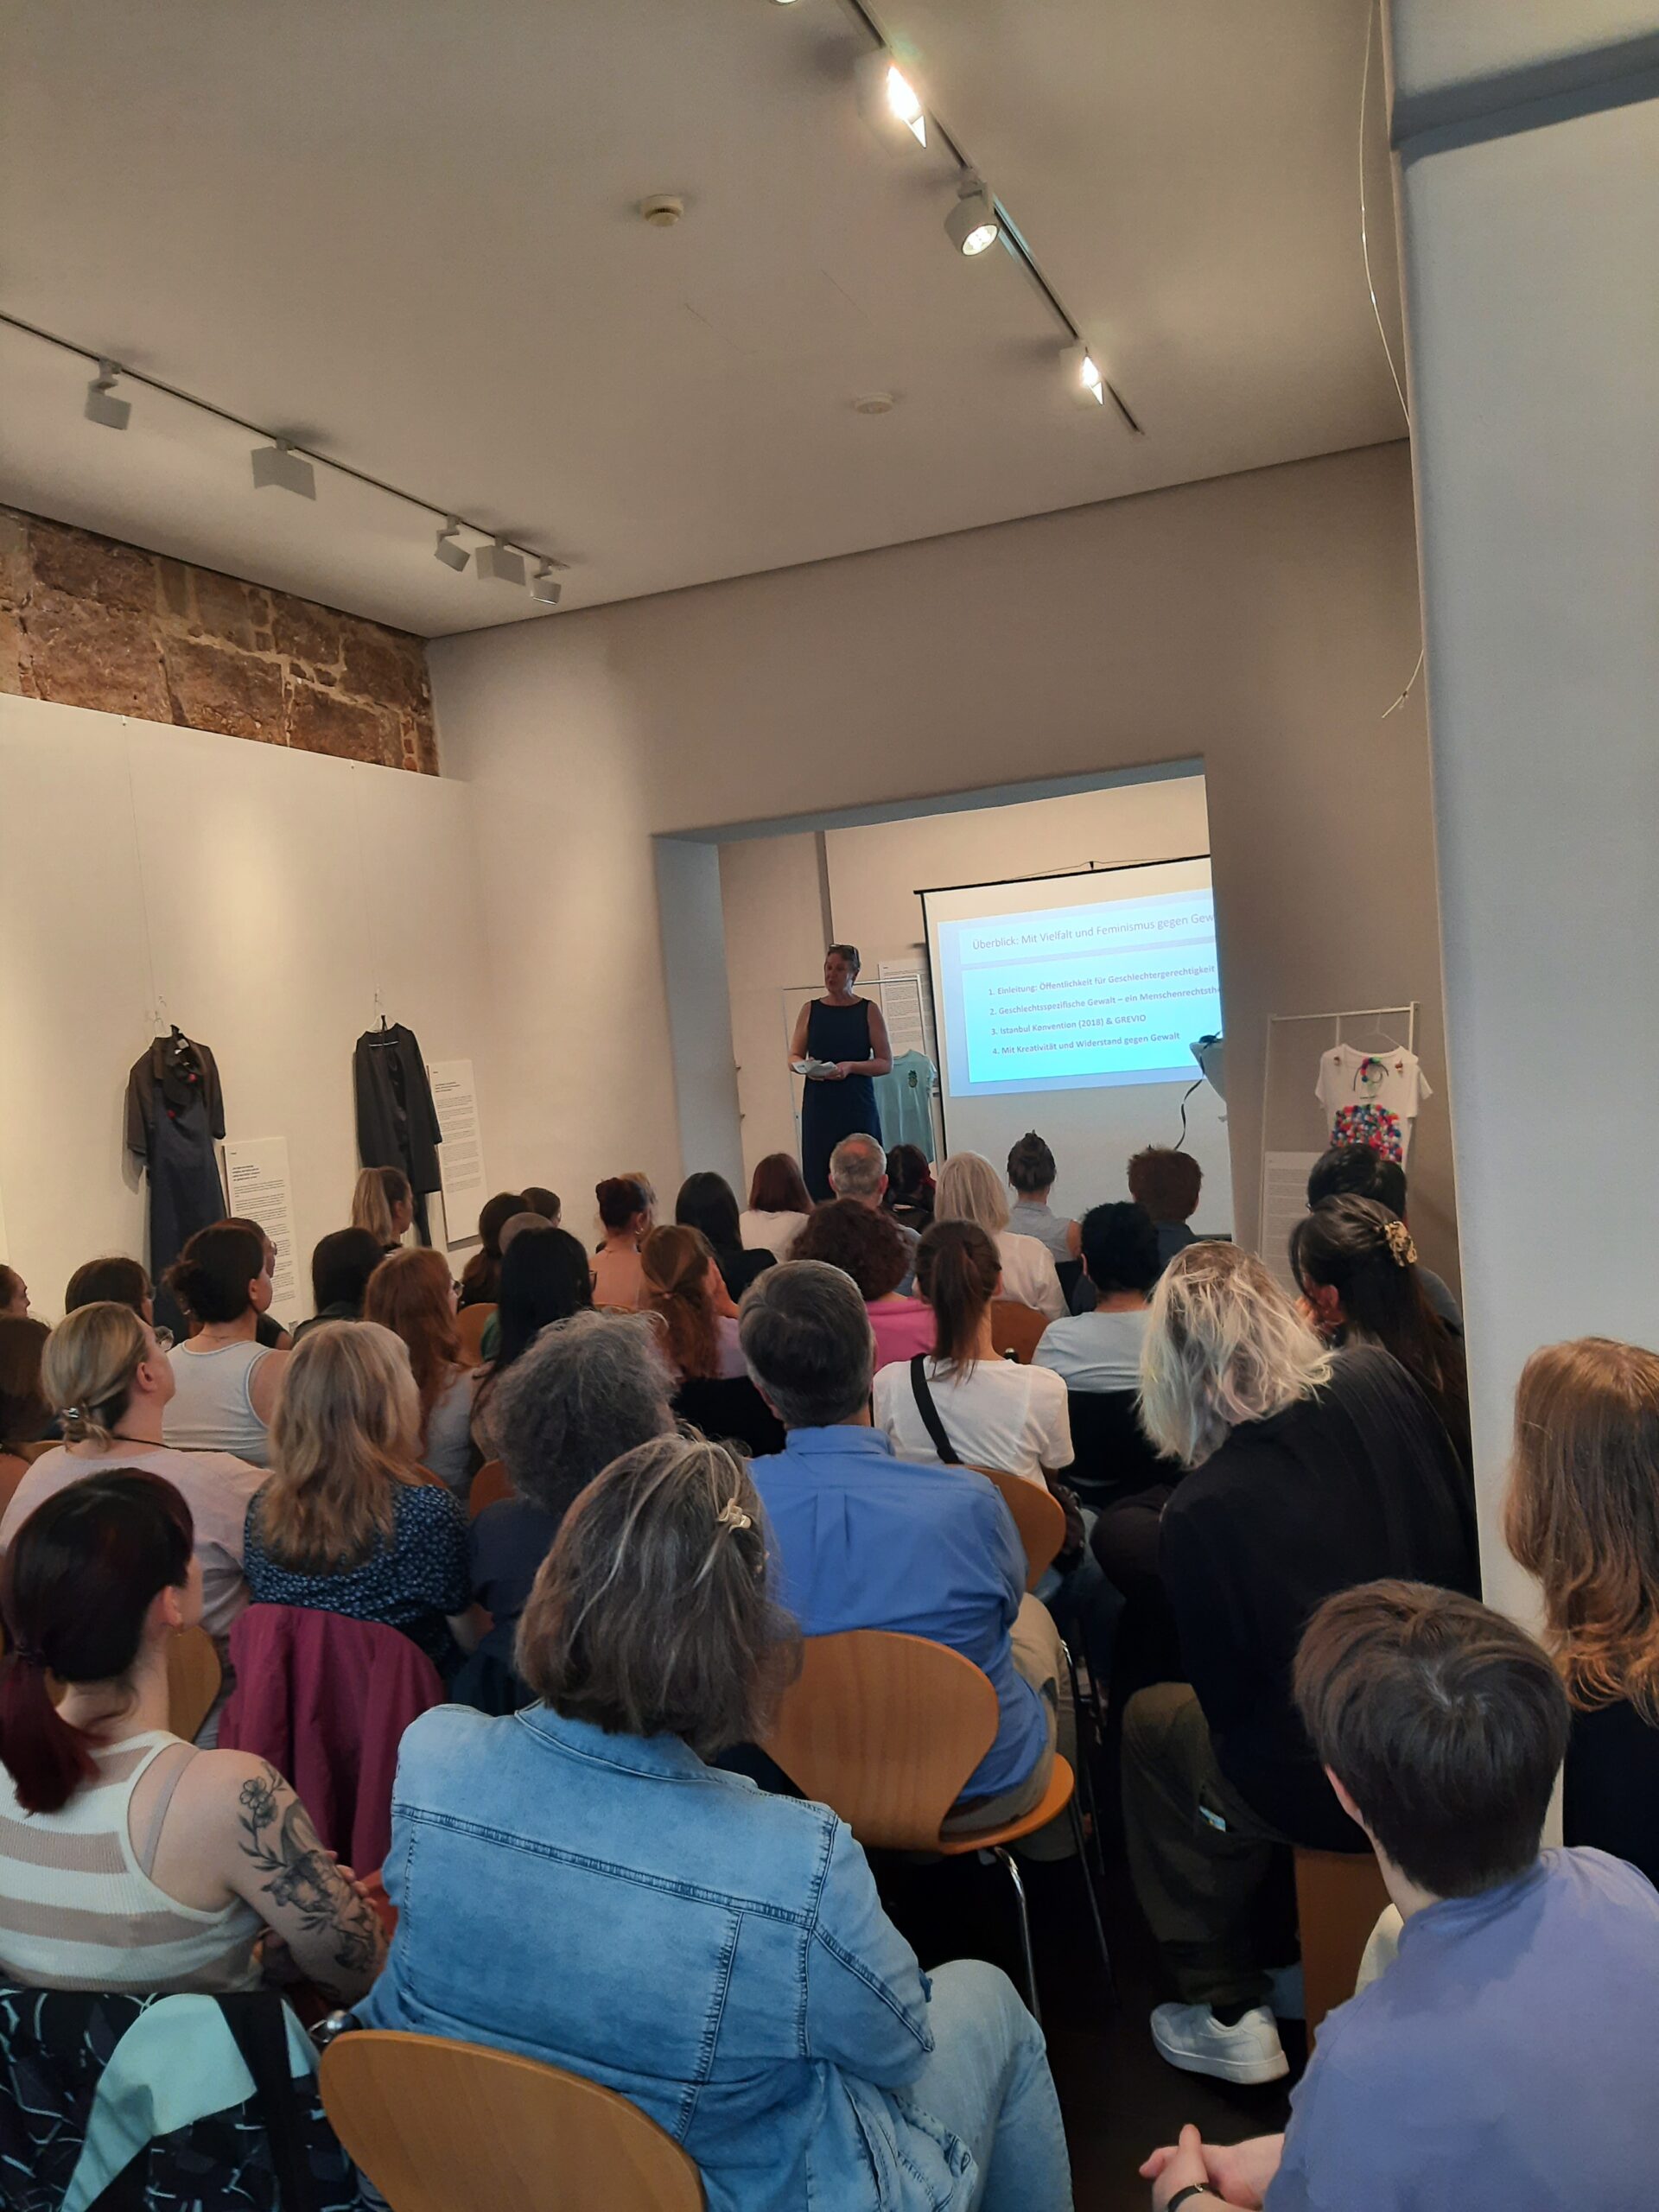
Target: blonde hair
[[88, 1366], [1583, 1514], [345, 1433], [970, 1189], [376, 1190], [1224, 1345]]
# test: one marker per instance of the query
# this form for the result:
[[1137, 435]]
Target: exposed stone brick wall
[[90, 622]]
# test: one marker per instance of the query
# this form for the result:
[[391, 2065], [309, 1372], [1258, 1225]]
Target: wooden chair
[[886, 1730], [1015, 1328], [490, 1486], [1339, 1897], [442, 2126], [193, 1676], [470, 1325], [1039, 1520]]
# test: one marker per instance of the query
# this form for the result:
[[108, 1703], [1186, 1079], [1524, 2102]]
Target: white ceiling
[[404, 233]]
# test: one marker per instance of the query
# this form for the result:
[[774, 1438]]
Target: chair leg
[[1086, 1763], [1002, 1853], [1094, 1902]]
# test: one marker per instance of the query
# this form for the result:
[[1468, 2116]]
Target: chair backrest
[[884, 1730], [490, 1486], [1071, 1275], [470, 1325], [1015, 1328], [730, 1409], [1339, 1897], [1114, 1455], [1039, 1519], [193, 1676], [442, 2126]]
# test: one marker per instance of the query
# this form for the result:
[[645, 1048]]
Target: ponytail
[[378, 1191], [77, 1586], [957, 1267], [88, 1366], [675, 1263]]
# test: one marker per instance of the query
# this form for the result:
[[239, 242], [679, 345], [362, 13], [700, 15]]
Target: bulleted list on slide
[[1109, 993]]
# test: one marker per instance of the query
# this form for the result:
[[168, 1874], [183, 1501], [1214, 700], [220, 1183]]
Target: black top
[[738, 1267], [1611, 1787], [830, 1111], [1356, 1483]]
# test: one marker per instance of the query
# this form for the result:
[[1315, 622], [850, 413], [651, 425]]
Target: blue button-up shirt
[[862, 1539]]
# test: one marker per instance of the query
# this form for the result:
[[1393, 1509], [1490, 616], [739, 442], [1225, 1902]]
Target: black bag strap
[[929, 1412], [258, 2021]]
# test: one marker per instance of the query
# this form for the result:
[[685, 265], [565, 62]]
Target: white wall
[[1261, 622], [265, 895], [1530, 246]]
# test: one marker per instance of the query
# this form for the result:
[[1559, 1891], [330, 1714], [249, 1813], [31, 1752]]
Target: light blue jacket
[[612, 1905]]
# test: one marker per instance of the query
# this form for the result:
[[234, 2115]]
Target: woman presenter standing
[[850, 1037]]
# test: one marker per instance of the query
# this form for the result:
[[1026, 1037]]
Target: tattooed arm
[[277, 1865]]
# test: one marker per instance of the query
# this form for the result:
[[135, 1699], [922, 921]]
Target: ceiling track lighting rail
[[966, 223], [283, 462]]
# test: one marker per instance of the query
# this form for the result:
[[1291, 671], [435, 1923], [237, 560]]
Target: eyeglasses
[[164, 1339]]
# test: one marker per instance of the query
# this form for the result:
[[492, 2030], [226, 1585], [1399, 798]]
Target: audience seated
[[706, 1202], [480, 1279], [267, 1329], [107, 1375], [625, 1215], [341, 1267], [384, 1204], [780, 1203], [1360, 1171], [993, 1413], [1031, 1177], [858, 1169], [866, 1245], [1167, 1183], [587, 1840], [970, 1189], [115, 1280], [412, 1294], [14, 1295], [539, 1199], [228, 1382], [1311, 1470], [129, 1859], [909, 1197], [684, 1290], [1361, 1284], [1504, 2058], [588, 1389], [25, 1417], [348, 1521], [861, 1540], [1583, 1516], [544, 1279], [1099, 1351]]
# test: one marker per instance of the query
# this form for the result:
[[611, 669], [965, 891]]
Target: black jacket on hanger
[[175, 1110], [397, 1121]]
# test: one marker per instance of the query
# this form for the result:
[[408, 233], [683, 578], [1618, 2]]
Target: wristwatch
[[1193, 2189]]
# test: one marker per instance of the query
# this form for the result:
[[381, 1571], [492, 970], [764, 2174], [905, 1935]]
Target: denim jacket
[[612, 1905]]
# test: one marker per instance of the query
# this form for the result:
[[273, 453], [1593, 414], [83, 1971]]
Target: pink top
[[903, 1327]]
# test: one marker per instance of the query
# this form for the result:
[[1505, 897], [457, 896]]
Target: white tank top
[[211, 1409], [78, 1909]]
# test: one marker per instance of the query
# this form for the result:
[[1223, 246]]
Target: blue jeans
[[988, 2082]]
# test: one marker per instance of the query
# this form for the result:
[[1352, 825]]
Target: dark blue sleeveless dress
[[830, 1111]]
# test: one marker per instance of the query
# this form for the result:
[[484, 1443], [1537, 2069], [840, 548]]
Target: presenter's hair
[[211, 1277], [377, 1192], [116, 1278], [777, 1186], [621, 1200], [1583, 1514], [345, 1434], [1357, 1170], [1031, 1165], [1446, 1723], [1166, 1182], [848, 953], [88, 1367], [970, 1189], [957, 1270], [1224, 1345], [1120, 1247]]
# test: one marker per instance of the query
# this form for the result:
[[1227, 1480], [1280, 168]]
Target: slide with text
[[1078, 996]]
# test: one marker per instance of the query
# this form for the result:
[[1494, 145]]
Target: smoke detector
[[873, 402], [662, 210]]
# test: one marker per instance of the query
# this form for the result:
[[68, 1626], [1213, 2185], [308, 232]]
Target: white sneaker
[[1285, 2001], [1191, 2036]]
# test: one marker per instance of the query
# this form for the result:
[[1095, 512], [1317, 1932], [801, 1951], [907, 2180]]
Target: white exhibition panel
[[264, 897]]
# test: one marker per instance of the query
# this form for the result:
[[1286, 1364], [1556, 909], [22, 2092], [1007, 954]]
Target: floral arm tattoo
[[278, 1837]]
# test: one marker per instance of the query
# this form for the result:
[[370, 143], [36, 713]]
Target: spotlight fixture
[[102, 406], [1088, 385], [542, 586], [890, 102], [451, 554], [973, 225], [281, 466], [497, 562]]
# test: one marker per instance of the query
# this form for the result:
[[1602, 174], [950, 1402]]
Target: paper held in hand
[[811, 1067]]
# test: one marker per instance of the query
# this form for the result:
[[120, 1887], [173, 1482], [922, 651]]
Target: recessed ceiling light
[[662, 210], [873, 402], [279, 468], [973, 225], [102, 406], [891, 103], [1088, 385]]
